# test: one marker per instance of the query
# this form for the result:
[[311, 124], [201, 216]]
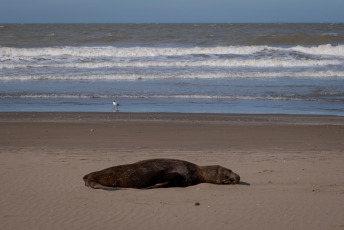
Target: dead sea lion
[[158, 173]]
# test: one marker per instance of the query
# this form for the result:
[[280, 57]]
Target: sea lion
[[158, 173]]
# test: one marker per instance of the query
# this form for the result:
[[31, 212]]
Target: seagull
[[115, 104]]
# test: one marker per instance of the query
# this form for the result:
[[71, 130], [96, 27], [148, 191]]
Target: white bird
[[115, 104]]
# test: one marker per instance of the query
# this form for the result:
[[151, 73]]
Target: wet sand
[[292, 167]]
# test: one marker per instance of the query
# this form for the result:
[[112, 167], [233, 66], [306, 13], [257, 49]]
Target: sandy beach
[[291, 166]]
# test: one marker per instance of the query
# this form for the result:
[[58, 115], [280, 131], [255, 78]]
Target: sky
[[172, 11]]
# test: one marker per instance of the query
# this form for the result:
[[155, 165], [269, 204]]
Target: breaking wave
[[234, 75], [160, 96], [9, 52], [111, 63]]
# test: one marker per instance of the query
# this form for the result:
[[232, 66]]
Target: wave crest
[[151, 52]]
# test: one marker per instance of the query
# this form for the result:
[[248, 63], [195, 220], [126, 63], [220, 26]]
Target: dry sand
[[292, 166]]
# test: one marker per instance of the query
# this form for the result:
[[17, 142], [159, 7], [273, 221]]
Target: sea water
[[186, 68]]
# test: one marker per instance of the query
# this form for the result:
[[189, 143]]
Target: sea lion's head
[[86, 180], [227, 176], [216, 174]]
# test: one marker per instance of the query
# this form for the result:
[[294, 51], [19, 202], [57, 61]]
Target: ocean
[[183, 68]]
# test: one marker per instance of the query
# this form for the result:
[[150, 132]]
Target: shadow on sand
[[244, 183]]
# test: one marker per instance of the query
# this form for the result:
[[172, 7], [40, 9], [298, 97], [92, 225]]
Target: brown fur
[[158, 173]]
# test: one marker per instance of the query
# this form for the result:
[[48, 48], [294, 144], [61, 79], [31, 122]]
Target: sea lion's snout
[[228, 177], [86, 180], [235, 178]]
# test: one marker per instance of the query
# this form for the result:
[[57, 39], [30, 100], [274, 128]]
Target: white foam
[[160, 96], [65, 63], [143, 57], [228, 75], [328, 50], [152, 52], [273, 62], [126, 52]]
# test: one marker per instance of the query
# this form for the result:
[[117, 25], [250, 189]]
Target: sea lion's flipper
[[99, 186], [160, 185], [171, 180]]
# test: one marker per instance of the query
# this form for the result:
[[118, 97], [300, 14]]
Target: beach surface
[[291, 169]]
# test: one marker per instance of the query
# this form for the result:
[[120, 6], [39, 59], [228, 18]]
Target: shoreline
[[187, 132], [291, 166], [170, 117]]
